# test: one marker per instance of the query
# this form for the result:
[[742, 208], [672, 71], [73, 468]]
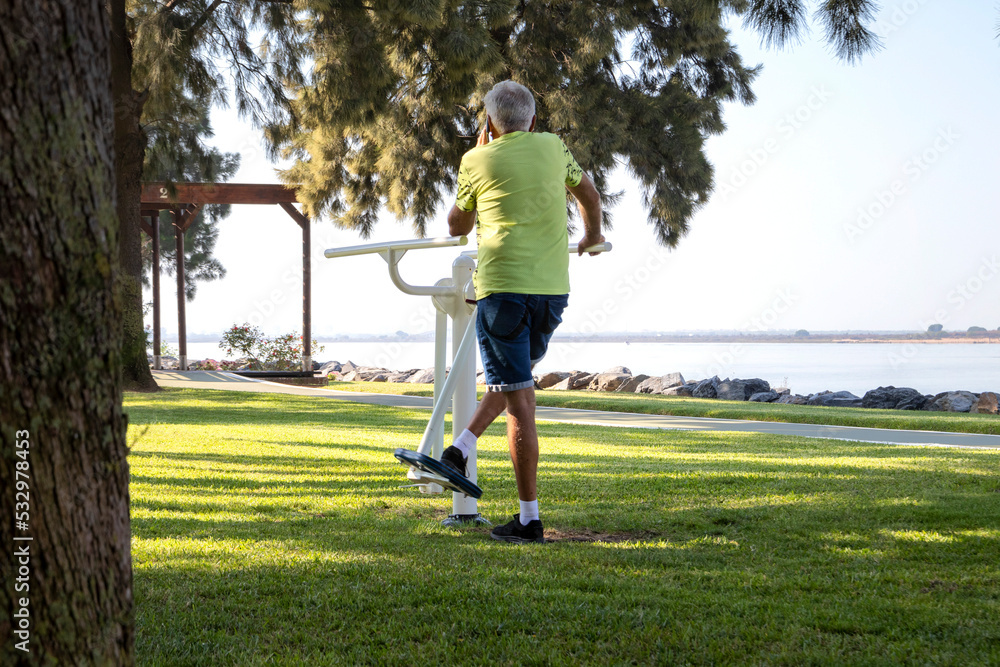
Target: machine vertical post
[[440, 368], [463, 404], [440, 363]]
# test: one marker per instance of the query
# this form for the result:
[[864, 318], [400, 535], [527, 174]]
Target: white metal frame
[[453, 297]]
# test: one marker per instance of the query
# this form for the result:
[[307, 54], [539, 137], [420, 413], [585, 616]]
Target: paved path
[[231, 382]]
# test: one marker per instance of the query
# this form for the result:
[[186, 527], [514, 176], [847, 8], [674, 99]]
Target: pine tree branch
[[502, 36], [171, 4], [196, 26]]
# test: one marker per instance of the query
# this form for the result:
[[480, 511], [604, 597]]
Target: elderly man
[[517, 183]]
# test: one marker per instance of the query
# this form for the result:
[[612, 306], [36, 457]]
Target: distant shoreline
[[992, 337]]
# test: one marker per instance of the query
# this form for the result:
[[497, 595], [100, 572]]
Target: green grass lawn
[[703, 407], [271, 529]]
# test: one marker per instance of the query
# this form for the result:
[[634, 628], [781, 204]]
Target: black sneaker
[[453, 458], [518, 534]]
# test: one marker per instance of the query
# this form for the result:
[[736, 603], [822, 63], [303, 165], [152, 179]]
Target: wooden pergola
[[184, 200]]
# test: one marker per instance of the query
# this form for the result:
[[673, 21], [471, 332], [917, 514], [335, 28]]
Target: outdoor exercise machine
[[453, 298]]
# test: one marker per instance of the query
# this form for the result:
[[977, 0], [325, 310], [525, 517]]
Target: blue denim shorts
[[514, 332]]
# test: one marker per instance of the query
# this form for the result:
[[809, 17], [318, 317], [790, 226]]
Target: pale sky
[[847, 197]]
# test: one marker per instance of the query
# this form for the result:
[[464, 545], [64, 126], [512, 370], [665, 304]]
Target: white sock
[[529, 511], [465, 442]]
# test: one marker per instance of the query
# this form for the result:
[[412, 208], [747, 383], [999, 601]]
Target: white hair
[[510, 106]]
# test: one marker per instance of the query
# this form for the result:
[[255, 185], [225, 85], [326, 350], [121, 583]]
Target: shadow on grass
[[585, 492], [809, 484], [672, 548], [683, 466], [250, 587], [192, 406]]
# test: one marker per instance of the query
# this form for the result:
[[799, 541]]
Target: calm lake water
[[803, 367]]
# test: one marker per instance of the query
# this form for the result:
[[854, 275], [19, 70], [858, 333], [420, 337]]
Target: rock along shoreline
[[621, 380]]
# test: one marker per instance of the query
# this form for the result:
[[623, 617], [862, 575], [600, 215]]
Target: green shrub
[[274, 354]]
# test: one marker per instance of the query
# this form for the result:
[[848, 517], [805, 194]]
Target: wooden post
[[303, 222], [181, 317], [306, 298], [152, 228], [155, 224]]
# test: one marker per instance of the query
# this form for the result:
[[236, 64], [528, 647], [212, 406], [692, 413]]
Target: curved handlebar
[[393, 251], [408, 244]]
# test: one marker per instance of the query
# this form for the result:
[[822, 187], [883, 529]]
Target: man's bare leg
[[489, 409], [522, 438]]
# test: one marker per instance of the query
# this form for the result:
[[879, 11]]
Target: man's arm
[[461, 222], [589, 200]]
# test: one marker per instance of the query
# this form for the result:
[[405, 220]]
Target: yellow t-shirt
[[517, 183]]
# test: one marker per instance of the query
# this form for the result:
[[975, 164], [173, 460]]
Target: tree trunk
[[130, 147], [66, 570]]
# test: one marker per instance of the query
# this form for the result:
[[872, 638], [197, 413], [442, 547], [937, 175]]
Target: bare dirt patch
[[552, 535], [942, 586]]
